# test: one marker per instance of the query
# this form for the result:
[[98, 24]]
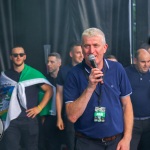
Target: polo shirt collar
[[88, 69]]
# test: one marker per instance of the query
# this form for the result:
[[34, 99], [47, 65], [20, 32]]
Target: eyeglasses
[[16, 55]]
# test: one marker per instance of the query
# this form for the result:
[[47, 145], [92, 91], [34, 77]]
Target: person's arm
[[76, 108], [48, 92], [59, 105], [128, 124]]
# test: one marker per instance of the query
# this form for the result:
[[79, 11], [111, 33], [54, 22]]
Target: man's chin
[[18, 65], [145, 70], [79, 61]]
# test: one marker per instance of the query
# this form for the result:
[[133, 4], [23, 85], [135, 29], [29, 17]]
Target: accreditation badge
[[99, 114]]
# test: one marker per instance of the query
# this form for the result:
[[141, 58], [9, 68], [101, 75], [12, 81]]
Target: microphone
[[91, 58]]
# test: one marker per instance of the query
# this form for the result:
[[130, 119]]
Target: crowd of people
[[78, 106]]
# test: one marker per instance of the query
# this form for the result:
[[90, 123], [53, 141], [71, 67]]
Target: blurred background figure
[[111, 57], [52, 135], [62, 121], [139, 76]]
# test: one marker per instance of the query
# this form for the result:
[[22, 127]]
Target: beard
[[18, 65]]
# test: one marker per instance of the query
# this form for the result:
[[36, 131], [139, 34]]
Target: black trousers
[[141, 135], [52, 136], [55, 138], [69, 133], [87, 144], [21, 133]]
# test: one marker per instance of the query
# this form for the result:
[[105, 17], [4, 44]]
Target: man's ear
[[10, 57], [59, 64], [70, 54], [25, 56], [105, 47], [135, 61]]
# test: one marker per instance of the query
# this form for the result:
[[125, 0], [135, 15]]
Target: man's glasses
[[16, 55]]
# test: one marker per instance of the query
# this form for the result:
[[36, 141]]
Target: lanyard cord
[[99, 94], [100, 86]]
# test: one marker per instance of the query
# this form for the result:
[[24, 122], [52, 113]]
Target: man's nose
[[91, 49]]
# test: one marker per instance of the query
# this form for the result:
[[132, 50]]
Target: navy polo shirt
[[140, 96], [62, 74], [116, 85], [60, 80]]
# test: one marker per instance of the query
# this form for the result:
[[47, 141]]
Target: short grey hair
[[93, 32]]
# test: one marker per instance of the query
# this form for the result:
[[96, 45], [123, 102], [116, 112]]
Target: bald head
[[141, 52], [142, 60]]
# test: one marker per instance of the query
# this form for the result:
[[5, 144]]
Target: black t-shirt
[[30, 91], [51, 80]]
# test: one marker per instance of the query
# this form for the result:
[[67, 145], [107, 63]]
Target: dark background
[[35, 23]]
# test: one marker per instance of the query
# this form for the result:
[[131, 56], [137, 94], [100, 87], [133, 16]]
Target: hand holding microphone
[[96, 74]]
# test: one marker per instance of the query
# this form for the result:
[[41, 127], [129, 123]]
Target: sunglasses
[[16, 55]]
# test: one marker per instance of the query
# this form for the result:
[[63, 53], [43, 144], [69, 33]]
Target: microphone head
[[91, 57]]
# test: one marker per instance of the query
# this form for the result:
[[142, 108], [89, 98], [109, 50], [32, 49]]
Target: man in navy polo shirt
[[98, 99], [139, 76]]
